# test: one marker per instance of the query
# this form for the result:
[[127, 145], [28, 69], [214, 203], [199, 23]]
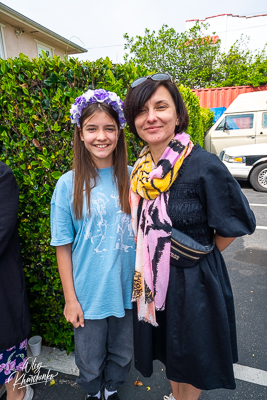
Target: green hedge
[[36, 142]]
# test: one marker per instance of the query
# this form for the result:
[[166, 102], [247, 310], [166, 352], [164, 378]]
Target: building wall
[[230, 27], [24, 43]]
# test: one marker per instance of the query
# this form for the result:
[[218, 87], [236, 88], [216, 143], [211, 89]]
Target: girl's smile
[[100, 135]]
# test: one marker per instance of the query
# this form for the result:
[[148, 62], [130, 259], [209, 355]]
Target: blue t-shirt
[[103, 248]]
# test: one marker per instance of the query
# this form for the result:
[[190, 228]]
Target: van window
[[264, 122], [241, 121]]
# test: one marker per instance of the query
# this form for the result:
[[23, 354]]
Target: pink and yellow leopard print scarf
[[153, 232]]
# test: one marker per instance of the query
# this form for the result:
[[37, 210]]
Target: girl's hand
[[73, 313]]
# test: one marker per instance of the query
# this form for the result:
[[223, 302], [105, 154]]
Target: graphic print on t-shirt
[[124, 229], [98, 208], [103, 247], [102, 211]]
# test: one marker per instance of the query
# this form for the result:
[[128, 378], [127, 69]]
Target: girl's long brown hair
[[85, 170]]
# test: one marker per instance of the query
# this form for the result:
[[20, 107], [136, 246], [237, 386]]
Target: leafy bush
[[207, 118], [196, 60], [190, 56], [200, 119], [36, 142]]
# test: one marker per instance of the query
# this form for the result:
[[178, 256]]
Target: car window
[[242, 121], [220, 127], [264, 122]]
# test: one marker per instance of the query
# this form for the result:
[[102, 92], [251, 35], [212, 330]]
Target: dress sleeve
[[9, 204], [62, 227], [227, 208]]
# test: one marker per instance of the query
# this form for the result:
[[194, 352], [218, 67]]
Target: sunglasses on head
[[154, 77]]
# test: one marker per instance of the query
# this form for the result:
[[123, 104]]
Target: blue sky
[[99, 25]]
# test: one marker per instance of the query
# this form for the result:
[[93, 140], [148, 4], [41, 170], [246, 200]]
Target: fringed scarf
[[153, 233]]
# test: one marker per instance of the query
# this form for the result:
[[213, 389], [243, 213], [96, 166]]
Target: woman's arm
[[73, 310], [223, 242]]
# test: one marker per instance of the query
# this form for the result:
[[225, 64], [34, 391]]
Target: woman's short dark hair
[[138, 96]]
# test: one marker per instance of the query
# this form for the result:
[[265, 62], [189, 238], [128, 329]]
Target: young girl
[[95, 249]]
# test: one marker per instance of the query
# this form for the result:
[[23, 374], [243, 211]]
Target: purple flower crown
[[97, 96]]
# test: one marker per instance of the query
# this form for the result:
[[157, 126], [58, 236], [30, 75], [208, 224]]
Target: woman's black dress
[[196, 337]]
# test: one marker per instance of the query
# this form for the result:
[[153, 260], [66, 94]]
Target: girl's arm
[[73, 310], [223, 242]]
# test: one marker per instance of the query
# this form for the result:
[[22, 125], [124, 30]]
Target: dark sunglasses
[[155, 77]]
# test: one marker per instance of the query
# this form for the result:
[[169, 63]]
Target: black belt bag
[[185, 251]]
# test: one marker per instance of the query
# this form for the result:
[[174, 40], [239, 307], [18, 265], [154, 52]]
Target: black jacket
[[14, 311]]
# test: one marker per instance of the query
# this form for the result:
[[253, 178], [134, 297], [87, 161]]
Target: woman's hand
[[74, 314], [222, 243]]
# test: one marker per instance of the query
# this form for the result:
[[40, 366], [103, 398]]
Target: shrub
[[36, 142], [200, 119]]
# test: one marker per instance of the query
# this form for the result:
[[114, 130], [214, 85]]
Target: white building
[[230, 27]]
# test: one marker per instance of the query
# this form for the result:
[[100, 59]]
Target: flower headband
[[97, 96]]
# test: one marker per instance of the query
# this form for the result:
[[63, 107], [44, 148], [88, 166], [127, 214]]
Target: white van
[[244, 122]]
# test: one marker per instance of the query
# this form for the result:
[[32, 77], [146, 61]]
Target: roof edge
[[229, 15], [14, 13]]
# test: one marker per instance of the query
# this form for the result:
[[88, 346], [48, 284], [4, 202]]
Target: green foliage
[[195, 61], [190, 56], [200, 119], [241, 67], [36, 142], [36, 136], [207, 119]]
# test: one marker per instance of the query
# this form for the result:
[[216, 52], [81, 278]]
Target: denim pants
[[103, 352]]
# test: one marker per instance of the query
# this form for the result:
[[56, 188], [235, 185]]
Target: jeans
[[103, 352]]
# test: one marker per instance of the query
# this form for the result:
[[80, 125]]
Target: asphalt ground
[[246, 260]]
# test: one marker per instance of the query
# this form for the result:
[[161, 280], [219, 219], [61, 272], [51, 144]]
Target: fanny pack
[[185, 251]]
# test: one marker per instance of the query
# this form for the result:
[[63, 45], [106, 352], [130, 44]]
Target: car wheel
[[258, 178]]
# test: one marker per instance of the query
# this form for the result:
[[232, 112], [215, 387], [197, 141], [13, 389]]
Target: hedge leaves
[[36, 142]]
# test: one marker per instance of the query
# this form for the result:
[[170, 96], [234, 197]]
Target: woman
[[91, 229], [188, 312], [14, 311]]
